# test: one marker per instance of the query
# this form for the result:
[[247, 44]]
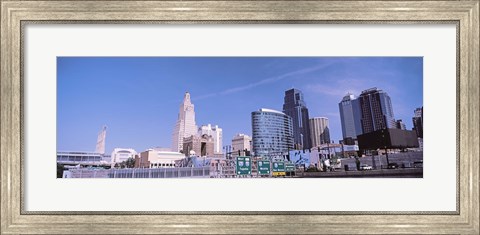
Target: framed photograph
[[259, 117]]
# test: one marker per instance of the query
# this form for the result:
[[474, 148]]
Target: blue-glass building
[[272, 133], [377, 110], [350, 117]]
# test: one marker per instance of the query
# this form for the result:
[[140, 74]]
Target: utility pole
[[385, 145], [384, 130], [328, 149]]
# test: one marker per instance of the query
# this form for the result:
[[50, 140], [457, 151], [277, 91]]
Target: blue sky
[[138, 98]]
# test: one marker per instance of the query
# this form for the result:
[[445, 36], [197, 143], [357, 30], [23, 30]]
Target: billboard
[[350, 148], [300, 157]]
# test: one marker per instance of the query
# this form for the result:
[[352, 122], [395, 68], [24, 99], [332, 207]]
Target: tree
[[312, 168], [130, 163]]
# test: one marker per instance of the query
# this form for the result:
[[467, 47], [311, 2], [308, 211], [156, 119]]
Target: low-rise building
[[152, 158], [201, 145], [81, 158], [122, 154]]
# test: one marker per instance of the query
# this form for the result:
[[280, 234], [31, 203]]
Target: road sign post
[[278, 169], [244, 166], [289, 167], [263, 167]]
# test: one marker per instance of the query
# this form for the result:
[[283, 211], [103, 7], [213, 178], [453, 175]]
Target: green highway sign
[[244, 166], [289, 167], [263, 167], [278, 169]]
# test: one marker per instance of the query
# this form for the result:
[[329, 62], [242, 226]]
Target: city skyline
[[138, 97]]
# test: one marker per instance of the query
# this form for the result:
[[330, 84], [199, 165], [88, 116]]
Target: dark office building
[[295, 107], [418, 122], [391, 138], [377, 111]]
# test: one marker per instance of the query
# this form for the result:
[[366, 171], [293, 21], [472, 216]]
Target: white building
[[185, 126], [241, 142], [122, 154], [216, 133], [152, 158]]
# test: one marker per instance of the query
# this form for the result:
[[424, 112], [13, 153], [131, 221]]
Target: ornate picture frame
[[16, 14]]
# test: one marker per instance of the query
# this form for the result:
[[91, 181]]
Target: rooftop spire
[[186, 98]]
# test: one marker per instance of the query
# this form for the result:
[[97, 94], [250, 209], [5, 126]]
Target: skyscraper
[[319, 130], [185, 126], [350, 117], [100, 148], [216, 133], [272, 133], [377, 110], [418, 122], [295, 107]]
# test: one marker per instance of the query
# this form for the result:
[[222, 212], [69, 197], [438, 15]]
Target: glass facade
[[272, 133], [350, 116], [377, 110], [294, 106]]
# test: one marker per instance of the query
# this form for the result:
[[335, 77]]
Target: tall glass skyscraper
[[272, 133], [295, 107], [185, 126], [350, 116], [377, 110]]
